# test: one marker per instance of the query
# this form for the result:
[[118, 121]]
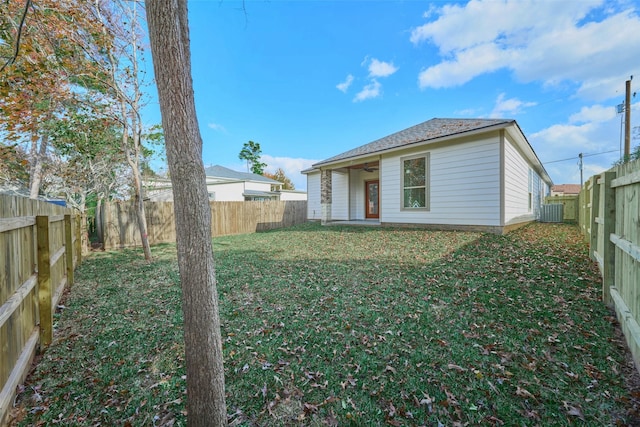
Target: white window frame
[[427, 182], [530, 190]]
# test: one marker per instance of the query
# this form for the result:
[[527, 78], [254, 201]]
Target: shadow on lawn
[[494, 329], [349, 326]]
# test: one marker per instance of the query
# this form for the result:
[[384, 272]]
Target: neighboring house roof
[[431, 129], [218, 171], [566, 188], [255, 193], [22, 191], [14, 190]]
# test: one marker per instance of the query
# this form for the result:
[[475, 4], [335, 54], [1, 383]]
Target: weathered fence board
[[121, 228], [28, 230], [610, 221]]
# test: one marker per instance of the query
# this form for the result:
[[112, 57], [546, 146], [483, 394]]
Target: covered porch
[[350, 194]]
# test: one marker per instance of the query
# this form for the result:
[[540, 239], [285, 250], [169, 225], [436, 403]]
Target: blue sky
[[311, 79]]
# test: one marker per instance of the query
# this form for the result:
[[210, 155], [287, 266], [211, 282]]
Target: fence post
[[45, 308], [609, 226], [596, 215], [68, 248], [78, 240]]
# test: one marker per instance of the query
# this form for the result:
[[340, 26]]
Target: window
[[415, 182], [530, 190]]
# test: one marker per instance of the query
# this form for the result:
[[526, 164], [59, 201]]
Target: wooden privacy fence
[[610, 221], [40, 246], [121, 227], [570, 204]]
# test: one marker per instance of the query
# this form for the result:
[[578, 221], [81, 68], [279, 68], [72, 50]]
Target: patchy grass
[[348, 326]]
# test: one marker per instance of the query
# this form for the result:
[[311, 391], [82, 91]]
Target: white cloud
[[508, 107], [381, 69], [594, 131], [216, 127], [372, 90], [342, 87], [377, 69], [569, 137], [550, 42], [464, 67], [291, 167], [594, 113]]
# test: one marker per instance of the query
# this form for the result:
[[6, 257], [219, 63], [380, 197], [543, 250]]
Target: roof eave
[[533, 157], [362, 157]]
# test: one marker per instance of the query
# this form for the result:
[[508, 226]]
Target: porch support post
[[325, 196]]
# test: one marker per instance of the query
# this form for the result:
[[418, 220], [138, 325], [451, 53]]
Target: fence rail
[[40, 243], [120, 226], [610, 221]]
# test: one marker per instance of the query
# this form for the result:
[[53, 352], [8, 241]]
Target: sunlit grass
[[342, 325]]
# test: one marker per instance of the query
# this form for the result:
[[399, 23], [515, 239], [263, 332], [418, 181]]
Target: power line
[[561, 160], [584, 155], [597, 154]]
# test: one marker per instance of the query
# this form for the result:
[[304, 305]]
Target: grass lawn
[[347, 326]]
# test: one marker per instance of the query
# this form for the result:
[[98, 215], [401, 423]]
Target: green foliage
[[634, 155], [280, 176], [348, 326], [152, 148], [251, 153], [14, 166], [83, 134]]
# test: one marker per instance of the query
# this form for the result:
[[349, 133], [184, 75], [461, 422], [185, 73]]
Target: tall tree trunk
[[98, 221], [142, 218], [132, 153], [38, 154], [136, 128], [169, 36]]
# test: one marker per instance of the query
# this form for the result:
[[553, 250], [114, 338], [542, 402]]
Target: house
[[469, 174], [566, 190], [17, 189], [227, 185]]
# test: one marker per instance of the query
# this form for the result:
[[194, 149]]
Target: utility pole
[[580, 164], [627, 121]]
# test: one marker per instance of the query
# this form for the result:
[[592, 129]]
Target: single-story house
[[467, 174], [566, 190], [227, 185]]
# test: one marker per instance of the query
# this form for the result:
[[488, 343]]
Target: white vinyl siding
[[286, 195], [536, 199], [340, 195], [356, 195], [516, 186], [257, 186], [314, 210], [464, 185], [227, 192]]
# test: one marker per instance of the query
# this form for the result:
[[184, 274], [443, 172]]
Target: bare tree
[[169, 36], [119, 60]]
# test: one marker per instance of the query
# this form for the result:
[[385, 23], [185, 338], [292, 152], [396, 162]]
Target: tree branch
[[18, 36]]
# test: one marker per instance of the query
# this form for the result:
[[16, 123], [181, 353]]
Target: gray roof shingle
[[431, 129], [222, 172]]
